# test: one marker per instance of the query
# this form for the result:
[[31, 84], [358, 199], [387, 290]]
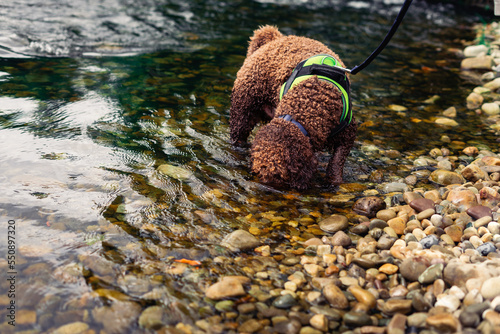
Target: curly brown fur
[[281, 154]]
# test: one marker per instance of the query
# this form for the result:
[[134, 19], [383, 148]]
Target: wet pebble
[[240, 240], [334, 223], [284, 302], [369, 206]]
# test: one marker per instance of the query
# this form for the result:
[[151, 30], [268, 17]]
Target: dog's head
[[283, 156]]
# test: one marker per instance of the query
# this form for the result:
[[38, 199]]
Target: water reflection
[[115, 167]]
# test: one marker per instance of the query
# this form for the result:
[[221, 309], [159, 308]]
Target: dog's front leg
[[341, 147]]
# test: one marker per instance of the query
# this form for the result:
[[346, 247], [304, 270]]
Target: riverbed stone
[[393, 306], [462, 196], [446, 177], [475, 50], [334, 223], [443, 322], [491, 288], [369, 206], [229, 286], [340, 239], [357, 319], [479, 211], [477, 63], [474, 100], [335, 296], [72, 328], [411, 268], [240, 240], [363, 296], [491, 109], [422, 204], [118, 317], [474, 173]]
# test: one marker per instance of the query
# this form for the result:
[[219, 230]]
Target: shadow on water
[[115, 158]]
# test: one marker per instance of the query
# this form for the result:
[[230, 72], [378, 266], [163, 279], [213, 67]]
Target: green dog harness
[[326, 68]]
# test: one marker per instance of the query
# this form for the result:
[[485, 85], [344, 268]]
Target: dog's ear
[[262, 36]]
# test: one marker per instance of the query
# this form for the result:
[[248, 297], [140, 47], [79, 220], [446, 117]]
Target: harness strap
[[325, 67], [291, 119]]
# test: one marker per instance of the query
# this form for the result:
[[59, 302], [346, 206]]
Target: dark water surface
[[95, 96]]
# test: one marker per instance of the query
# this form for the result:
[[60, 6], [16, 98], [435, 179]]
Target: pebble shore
[[403, 260]]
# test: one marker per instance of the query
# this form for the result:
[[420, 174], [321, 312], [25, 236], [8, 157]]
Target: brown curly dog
[[306, 119]]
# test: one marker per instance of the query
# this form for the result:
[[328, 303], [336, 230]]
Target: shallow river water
[[114, 155]]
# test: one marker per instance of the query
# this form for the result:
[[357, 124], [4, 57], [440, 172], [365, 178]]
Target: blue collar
[[290, 119]]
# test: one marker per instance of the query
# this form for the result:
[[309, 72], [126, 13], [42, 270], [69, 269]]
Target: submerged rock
[[240, 240]]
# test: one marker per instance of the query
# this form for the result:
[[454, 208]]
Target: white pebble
[[449, 301], [494, 227], [456, 291], [323, 249], [475, 241], [437, 220]]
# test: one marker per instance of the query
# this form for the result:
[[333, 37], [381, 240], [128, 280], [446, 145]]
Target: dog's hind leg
[[341, 146]]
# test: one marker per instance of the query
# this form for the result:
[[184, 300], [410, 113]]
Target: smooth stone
[[309, 330], [411, 268], [422, 204], [118, 317], [386, 214], [454, 232], [340, 239], [284, 302], [363, 296], [493, 84], [229, 286], [446, 121], [378, 223], [420, 303], [451, 302], [474, 100], [398, 224], [360, 229], [292, 326], [357, 319], [388, 269], [490, 109], [369, 206], [72, 328], [394, 187], [431, 274], [478, 308], [491, 288], [445, 177], [320, 322], [450, 112], [393, 306], [426, 214], [486, 248], [335, 296], [397, 324], [475, 50], [462, 196], [479, 211], [429, 241], [474, 173], [175, 172], [477, 63], [224, 306], [240, 240], [469, 319], [152, 317], [417, 319], [443, 322], [250, 326], [385, 242], [334, 223]]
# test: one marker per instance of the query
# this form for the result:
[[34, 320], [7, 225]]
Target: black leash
[[386, 40]]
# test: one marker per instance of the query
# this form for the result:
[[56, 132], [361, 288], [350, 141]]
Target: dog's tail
[[262, 36]]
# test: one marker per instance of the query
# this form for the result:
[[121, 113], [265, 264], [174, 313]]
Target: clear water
[[96, 95]]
